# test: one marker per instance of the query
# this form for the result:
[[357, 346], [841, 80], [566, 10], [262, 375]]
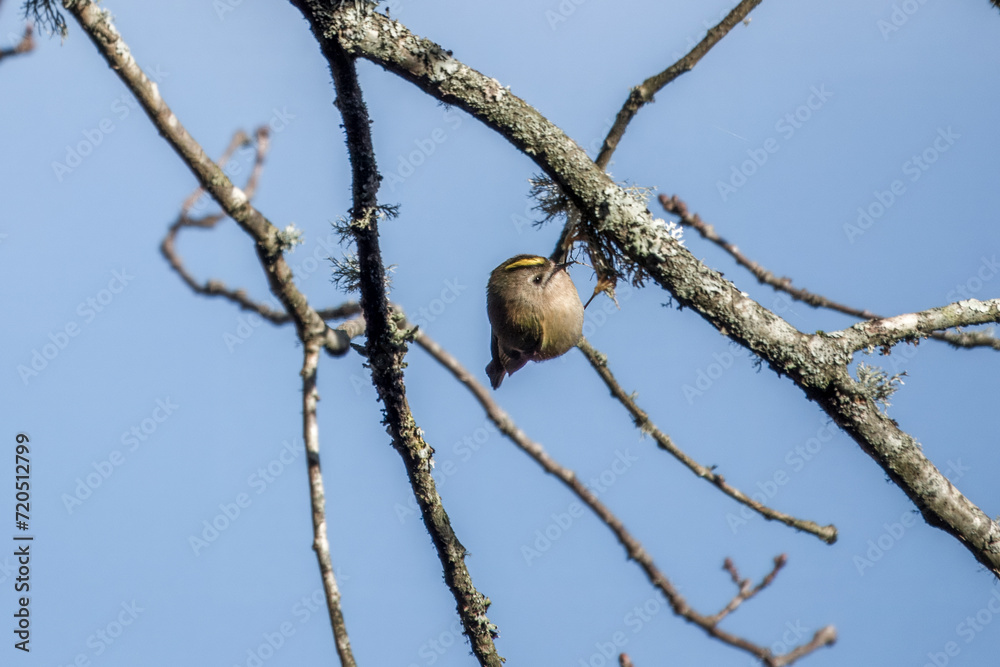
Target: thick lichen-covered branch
[[677, 207], [386, 349], [888, 331], [814, 362]]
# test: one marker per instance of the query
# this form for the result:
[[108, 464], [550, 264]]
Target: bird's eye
[[537, 280]]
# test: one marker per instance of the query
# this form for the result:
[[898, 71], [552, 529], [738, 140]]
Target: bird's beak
[[556, 269]]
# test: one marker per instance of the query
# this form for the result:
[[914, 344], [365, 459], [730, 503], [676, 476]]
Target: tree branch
[[815, 363], [386, 349], [644, 92], [888, 331], [335, 341], [234, 201], [632, 546], [26, 44], [677, 207], [745, 588], [317, 498], [311, 328], [642, 421]]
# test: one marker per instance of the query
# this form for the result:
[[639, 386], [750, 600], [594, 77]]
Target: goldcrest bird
[[535, 312]]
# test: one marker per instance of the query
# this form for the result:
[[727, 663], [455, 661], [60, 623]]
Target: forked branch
[[635, 550]]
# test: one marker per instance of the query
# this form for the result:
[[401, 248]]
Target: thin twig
[[99, 27], [676, 206], [644, 92], [600, 363], [311, 328], [239, 138], [386, 349], [639, 96], [26, 44], [317, 498], [632, 546], [334, 342], [745, 590]]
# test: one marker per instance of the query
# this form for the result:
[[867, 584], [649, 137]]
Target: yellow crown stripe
[[527, 261]]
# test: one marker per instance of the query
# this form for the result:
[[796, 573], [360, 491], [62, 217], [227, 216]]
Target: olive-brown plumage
[[535, 312]]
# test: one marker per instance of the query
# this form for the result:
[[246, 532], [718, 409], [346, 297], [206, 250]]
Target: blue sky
[[174, 411]]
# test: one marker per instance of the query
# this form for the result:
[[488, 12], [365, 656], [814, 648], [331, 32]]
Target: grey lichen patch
[[823, 352], [877, 385], [444, 67], [346, 272], [289, 237], [907, 322], [974, 305], [237, 196]]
